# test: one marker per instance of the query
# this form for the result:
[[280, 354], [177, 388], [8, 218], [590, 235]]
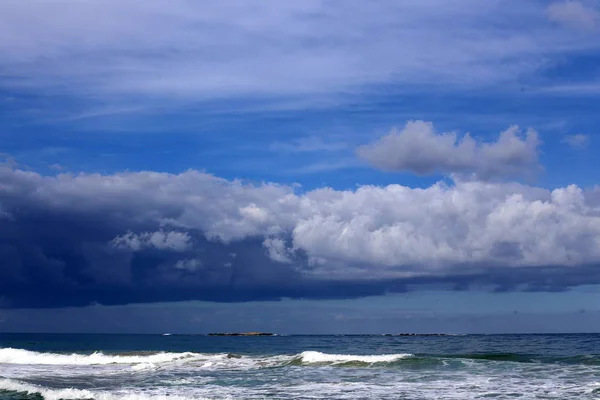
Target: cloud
[[574, 14], [190, 264], [415, 232], [299, 53], [277, 250], [4, 214], [324, 166], [57, 248], [578, 141], [307, 145], [56, 167], [161, 240], [418, 148]]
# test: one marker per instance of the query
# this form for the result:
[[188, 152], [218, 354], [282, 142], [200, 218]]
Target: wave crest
[[20, 356], [11, 385], [151, 361], [316, 357]]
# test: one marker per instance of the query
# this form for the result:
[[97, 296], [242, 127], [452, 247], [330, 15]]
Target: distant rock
[[416, 334], [242, 334]]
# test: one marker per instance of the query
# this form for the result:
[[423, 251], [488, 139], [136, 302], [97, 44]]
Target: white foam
[[479, 381], [318, 357], [20, 356], [75, 394], [144, 366], [151, 361]]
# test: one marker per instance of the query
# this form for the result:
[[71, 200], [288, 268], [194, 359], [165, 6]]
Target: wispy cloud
[[308, 145], [577, 141], [56, 167], [573, 89], [300, 52], [324, 166], [574, 14], [176, 241]]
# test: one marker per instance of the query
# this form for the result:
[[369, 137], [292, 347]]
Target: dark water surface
[[54, 366]]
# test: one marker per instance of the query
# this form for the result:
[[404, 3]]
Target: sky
[[322, 166]]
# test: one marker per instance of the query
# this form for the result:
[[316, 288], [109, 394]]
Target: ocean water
[[140, 367]]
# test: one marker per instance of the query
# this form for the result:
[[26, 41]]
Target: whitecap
[[20, 356], [318, 357], [76, 394]]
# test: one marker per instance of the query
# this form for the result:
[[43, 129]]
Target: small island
[[416, 334], [242, 334]]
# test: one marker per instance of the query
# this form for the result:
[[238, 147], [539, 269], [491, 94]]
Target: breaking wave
[[30, 375], [316, 357], [21, 390], [148, 360], [20, 356], [145, 361]]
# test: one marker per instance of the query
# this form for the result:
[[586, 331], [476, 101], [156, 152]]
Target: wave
[[588, 359], [316, 357], [30, 391], [20, 356], [149, 361]]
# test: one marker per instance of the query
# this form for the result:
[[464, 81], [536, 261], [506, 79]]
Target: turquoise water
[[36, 366]]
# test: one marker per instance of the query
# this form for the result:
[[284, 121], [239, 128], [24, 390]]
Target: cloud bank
[[419, 149], [73, 239]]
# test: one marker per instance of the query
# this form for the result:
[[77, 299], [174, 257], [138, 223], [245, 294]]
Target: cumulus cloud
[[574, 14], [320, 243], [418, 148], [161, 240], [578, 141], [471, 223]]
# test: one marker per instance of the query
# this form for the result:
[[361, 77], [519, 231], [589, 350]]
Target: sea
[[156, 367]]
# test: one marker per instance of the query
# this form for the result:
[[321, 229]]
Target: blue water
[[53, 366]]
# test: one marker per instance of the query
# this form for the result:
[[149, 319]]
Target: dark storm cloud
[[72, 240]]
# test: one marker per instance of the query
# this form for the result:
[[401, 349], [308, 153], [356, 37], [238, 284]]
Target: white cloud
[[189, 264], [418, 148], [324, 166], [370, 232], [56, 167], [577, 141], [277, 250], [438, 227], [4, 214], [161, 49], [574, 14], [161, 240], [308, 145]]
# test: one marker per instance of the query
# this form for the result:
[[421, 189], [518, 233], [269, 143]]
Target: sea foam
[[77, 394], [20, 356], [150, 361], [318, 357]]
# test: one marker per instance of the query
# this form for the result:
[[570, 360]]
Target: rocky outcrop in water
[[416, 334], [242, 334]]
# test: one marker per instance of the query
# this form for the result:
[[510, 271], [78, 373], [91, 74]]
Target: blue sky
[[340, 150]]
